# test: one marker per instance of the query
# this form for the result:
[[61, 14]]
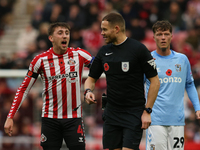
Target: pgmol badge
[[125, 66]]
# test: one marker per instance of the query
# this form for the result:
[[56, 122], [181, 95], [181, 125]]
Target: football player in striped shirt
[[60, 69]]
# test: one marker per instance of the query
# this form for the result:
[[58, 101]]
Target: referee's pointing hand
[[90, 98]]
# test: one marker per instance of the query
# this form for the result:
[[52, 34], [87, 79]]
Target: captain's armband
[[32, 74]]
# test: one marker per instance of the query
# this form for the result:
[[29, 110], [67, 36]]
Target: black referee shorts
[[122, 127], [55, 130]]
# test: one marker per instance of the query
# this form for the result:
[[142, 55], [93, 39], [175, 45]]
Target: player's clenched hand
[[90, 98], [198, 114], [8, 126], [146, 120]]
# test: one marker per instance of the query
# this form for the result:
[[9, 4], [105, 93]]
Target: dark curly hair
[[57, 24], [163, 25]]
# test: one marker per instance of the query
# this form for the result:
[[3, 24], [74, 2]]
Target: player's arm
[[151, 97], [20, 96], [191, 90], [8, 126], [94, 74], [88, 59], [89, 86], [193, 96], [153, 91], [90, 62]]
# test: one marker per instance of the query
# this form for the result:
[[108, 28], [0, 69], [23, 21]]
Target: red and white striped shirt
[[61, 76]]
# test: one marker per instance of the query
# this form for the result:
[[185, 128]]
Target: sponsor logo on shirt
[[61, 76], [170, 79]]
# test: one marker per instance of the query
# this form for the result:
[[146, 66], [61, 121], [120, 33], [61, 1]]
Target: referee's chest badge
[[125, 66], [43, 138]]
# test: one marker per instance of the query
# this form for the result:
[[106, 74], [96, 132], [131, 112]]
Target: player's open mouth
[[163, 43], [64, 43]]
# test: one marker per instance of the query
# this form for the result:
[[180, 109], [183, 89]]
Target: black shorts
[[122, 128], [55, 130]]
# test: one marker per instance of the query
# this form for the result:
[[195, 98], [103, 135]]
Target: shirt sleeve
[[23, 89], [85, 55], [96, 68], [191, 89], [147, 62]]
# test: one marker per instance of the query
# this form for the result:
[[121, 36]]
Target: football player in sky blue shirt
[[167, 127]]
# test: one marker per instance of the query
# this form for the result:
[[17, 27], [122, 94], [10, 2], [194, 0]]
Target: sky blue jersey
[[175, 77]]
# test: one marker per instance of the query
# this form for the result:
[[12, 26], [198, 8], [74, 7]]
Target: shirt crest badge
[[71, 62], [178, 67], [125, 66]]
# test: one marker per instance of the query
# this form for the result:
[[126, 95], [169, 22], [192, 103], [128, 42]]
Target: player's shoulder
[[154, 53], [105, 48], [179, 55], [137, 47], [134, 43], [38, 58], [79, 50], [43, 54]]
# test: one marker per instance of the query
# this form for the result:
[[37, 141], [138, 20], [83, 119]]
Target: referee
[[124, 62]]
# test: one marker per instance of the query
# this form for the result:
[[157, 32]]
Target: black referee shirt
[[124, 66]]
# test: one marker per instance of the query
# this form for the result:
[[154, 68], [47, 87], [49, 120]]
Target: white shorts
[[165, 138]]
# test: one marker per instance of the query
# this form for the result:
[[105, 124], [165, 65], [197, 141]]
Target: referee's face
[[108, 32]]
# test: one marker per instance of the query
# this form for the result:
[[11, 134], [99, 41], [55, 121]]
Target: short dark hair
[[57, 24], [163, 25], [115, 19]]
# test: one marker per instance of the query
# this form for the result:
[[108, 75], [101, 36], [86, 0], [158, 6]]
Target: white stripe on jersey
[[78, 90], [26, 91], [85, 55], [61, 77]]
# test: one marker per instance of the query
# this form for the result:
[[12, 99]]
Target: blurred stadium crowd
[[84, 16]]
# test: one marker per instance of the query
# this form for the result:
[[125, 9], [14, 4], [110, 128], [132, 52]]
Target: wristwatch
[[148, 110], [87, 90]]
